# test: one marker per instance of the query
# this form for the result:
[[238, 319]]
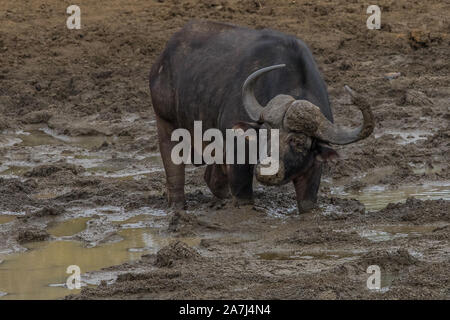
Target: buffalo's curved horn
[[338, 135], [252, 105], [308, 118]]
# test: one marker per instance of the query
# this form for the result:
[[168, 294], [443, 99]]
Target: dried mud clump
[[34, 117], [319, 235], [47, 170], [176, 251], [417, 98], [440, 233], [423, 39], [436, 286], [14, 194], [392, 261], [416, 210], [440, 139], [49, 211], [342, 208], [31, 235], [3, 124]]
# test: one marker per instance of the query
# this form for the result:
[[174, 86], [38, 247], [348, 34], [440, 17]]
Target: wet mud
[[82, 182]]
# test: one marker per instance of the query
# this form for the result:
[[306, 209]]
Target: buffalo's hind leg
[[174, 172], [217, 180]]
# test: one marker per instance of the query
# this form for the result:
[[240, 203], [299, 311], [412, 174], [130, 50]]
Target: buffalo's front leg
[[174, 173], [240, 179], [307, 187], [217, 180]]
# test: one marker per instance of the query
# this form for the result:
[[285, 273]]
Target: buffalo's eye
[[300, 143]]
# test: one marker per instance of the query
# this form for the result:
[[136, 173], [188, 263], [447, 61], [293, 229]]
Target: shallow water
[[69, 227], [386, 233], [30, 274], [40, 145], [378, 197], [40, 272], [6, 218]]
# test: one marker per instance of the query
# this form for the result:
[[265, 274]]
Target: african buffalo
[[212, 72]]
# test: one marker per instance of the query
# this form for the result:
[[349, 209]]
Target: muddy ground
[[80, 169]]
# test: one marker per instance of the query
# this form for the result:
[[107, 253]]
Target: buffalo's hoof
[[305, 206], [177, 205], [237, 202], [177, 220], [223, 193]]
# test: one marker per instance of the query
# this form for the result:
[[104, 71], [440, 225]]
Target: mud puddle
[[391, 232], [378, 197], [69, 227], [6, 218], [32, 275], [40, 272], [38, 145], [35, 135]]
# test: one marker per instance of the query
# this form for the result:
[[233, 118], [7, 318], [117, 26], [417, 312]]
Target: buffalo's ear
[[325, 153], [247, 125]]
